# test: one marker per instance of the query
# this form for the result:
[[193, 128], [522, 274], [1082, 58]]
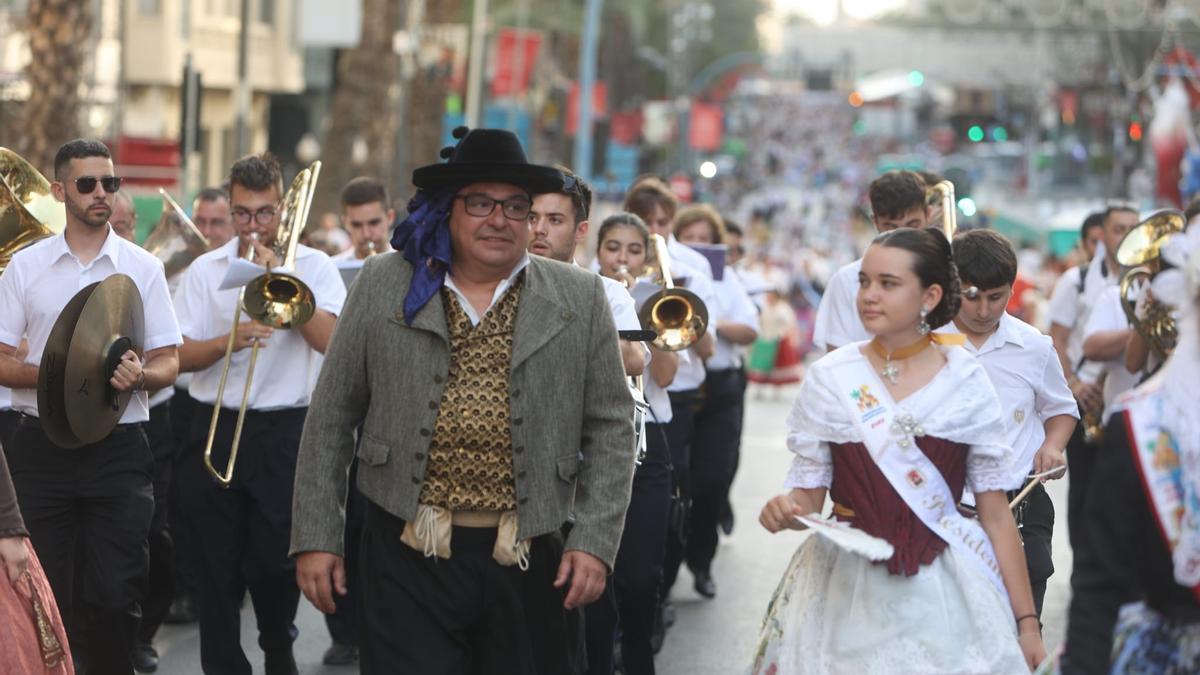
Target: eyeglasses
[[481, 206], [263, 216], [87, 184]]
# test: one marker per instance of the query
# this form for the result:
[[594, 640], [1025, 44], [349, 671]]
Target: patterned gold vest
[[470, 456]]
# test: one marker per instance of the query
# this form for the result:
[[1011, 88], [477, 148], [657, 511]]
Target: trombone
[[175, 240], [942, 193], [277, 298], [677, 315]]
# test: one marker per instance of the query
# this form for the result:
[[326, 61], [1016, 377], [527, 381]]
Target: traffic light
[[975, 133], [999, 134], [1135, 131], [916, 78]]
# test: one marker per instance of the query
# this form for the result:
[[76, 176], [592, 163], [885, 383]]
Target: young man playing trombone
[[242, 531]]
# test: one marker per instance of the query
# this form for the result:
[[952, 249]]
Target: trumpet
[[942, 193], [676, 315], [277, 298]]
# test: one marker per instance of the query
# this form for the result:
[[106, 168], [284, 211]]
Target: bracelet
[[1026, 616]]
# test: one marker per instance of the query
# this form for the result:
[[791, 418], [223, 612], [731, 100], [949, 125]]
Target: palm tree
[[58, 33]]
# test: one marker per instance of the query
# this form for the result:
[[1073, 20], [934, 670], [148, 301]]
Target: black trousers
[[466, 615], [626, 610], [8, 424], [715, 447], [680, 433], [343, 623], [89, 509], [185, 555], [161, 588], [242, 534], [1081, 457], [1037, 529]]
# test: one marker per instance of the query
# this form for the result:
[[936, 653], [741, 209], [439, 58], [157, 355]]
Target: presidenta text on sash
[[1156, 455], [890, 442]]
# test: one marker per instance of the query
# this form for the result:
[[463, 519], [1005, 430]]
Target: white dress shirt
[[1025, 370], [837, 323], [42, 278], [1105, 316], [734, 304], [287, 366], [501, 287], [352, 253], [5, 398]]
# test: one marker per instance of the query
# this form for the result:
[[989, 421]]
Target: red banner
[[599, 105], [626, 127], [514, 45], [705, 127]]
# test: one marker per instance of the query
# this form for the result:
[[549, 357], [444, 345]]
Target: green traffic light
[[975, 133], [1000, 134], [916, 78]]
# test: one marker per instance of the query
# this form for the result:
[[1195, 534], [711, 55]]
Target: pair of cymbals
[[76, 403]]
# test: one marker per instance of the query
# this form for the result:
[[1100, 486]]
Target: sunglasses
[[87, 184]]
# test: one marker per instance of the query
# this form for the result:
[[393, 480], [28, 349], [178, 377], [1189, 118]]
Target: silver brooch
[[907, 428]]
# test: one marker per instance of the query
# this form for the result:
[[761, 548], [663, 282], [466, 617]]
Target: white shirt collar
[[500, 289], [111, 248], [1006, 333]]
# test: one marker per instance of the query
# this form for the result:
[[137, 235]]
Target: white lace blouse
[[957, 405]]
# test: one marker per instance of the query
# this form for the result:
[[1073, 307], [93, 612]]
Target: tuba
[[28, 210], [277, 298], [942, 194], [175, 240], [1139, 255], [676, 315]]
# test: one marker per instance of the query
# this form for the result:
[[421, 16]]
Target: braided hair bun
[[933, 263]]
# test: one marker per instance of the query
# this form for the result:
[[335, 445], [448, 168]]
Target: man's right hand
[[319, 574], [248, 332], [1089, 396]]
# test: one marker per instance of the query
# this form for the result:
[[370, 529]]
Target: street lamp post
[[587, 82], [475, 65]]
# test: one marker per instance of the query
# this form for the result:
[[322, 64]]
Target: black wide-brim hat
[[487, 156]]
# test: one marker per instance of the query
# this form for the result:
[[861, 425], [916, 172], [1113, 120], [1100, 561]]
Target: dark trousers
[[466, 615], [89, 509], [343, 623], [630, 600], [1081, 458], [162, 551], [680, 432], [8, 424], [715, 446], [185, 554], [1037, 528], [242, 534]]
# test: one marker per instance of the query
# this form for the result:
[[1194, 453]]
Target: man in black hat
[[490, 392]]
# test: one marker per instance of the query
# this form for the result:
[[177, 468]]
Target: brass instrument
[[28, 210], [277, 298], [676, 315], [175, 240], [942, 193], [1139, 254]]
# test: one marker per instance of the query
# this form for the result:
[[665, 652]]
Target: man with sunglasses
[[241, 532], [88, 509], [493, 406]]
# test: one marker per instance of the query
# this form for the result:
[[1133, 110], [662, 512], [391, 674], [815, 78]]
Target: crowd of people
[[484, 450]]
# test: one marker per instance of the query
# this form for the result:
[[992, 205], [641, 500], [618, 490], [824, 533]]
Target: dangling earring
[[923, 327]]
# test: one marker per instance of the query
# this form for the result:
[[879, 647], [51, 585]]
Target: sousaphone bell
[[28, 210], [76, 403]]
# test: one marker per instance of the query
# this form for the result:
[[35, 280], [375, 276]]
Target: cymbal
[[76, 403]]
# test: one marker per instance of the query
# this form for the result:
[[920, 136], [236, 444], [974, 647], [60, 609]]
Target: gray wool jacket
[[571, 413]]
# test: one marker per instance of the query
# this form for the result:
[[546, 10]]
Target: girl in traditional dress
[[1136, 584], [894, 429], [32, 638]]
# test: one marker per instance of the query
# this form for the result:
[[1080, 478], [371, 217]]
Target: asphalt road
[[710, 637]]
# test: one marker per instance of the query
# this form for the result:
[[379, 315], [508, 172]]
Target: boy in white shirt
[[1025, 370]]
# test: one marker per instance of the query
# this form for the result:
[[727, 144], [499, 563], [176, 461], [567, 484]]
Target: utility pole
[[475, 65], [241, 134], [587, 83]]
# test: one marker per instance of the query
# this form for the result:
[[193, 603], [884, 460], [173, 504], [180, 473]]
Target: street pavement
[[710, 637]]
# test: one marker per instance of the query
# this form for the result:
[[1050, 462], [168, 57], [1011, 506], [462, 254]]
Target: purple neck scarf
[[424, 240]]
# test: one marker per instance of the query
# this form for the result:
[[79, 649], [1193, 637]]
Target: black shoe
[[726, 521], [704, 584], [145, 658], [339, 654], [280, 663], [183, 610]]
